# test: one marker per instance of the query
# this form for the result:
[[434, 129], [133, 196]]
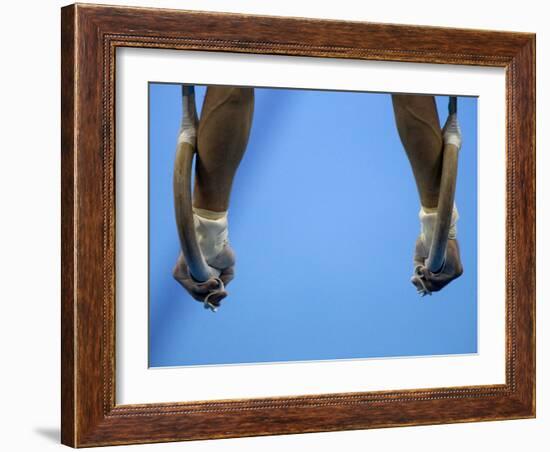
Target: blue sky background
[[323, 218]]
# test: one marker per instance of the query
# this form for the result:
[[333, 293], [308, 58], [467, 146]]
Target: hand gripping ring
[[209, 305], [438, 248], [199, 269]]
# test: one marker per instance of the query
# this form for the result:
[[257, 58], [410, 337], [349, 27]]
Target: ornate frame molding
[[90, 36]]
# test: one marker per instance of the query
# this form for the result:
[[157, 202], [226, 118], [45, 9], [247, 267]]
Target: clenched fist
[[427, 282]]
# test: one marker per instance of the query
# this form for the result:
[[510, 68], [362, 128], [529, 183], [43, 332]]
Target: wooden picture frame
[[90, 36]]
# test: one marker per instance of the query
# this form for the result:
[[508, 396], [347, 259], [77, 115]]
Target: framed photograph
[[282, 225]]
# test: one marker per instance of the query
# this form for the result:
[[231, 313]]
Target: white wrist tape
[[451, 131], [428, 220], [188, 127], [187, 135], [212, 231]]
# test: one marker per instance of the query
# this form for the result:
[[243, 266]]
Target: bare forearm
[[420, 132], [224, 129]]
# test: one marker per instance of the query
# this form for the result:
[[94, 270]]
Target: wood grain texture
[[67, 224], [90, 36]]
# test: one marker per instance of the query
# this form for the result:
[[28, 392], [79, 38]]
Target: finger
[[191, 288], [227, 275], [200, 290], [422, 280], [435, 281], [418, 283], [197, 290], [216, 298], [208, 286], [180, 271]]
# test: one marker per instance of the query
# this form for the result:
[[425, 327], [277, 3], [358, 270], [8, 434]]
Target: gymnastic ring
[[199, 270], [438, 248], [445, 204]]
